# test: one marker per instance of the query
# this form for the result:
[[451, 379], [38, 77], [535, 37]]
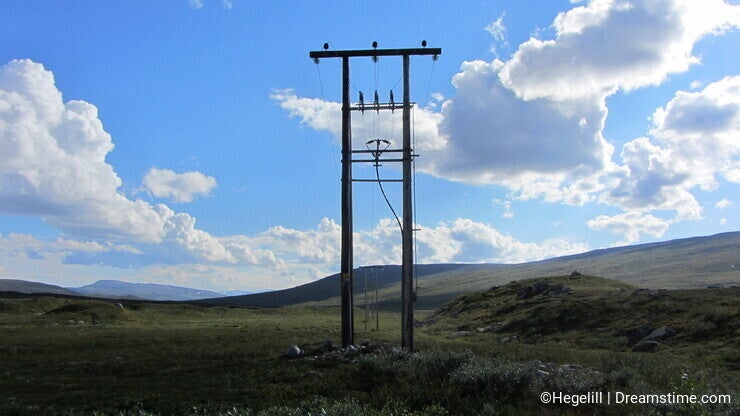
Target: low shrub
[[503, 379]]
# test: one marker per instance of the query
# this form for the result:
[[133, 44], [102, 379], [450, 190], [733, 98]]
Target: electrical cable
[[331, 44], [429, 84], [326, 116], [413, 197], [380, 184]]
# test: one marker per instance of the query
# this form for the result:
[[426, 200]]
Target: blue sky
[[194, 142]]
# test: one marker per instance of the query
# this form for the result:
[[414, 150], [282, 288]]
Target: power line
[[326, 117]]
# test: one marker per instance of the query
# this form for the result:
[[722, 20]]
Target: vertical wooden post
[[346, 267], [407, 260]]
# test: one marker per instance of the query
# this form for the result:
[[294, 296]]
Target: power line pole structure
[[407, 269], [367, 305]]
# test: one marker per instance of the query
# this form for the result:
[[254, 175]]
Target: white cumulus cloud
[[724, 203], [180, 187], [631, 225], [493, 136], [52, 161], [608, 45], [468, 241], [694, 142]]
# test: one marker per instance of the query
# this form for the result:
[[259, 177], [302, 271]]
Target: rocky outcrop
[[542, 288]]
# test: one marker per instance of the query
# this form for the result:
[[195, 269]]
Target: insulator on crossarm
[[362, 102], [392, 102], [376, 101]]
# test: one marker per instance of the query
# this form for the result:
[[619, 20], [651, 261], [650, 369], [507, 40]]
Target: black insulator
[[375, 44], [326, 46], [377, 101], [391, 96], [423, 43]]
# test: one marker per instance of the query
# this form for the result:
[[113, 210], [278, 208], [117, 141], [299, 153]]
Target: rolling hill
[[23, 286], [677, 264], [148, 291], [110, 289]]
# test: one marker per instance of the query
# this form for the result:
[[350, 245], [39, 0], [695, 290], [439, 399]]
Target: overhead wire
[[429, 84], [413, 169], [413, 198], [326, 116]]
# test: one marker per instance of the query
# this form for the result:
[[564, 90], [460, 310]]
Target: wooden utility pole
[[407, 247], [407, 266], [348, 327]]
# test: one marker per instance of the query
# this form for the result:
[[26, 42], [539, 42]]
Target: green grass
[[63, 356], [162, 357]]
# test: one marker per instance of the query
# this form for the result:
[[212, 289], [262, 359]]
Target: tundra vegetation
[[490, 353]]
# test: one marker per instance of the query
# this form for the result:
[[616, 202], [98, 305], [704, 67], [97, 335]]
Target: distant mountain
[[23, 286], [686, 263], [147, 291]]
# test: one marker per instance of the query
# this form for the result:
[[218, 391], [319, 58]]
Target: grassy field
[[69, 356]]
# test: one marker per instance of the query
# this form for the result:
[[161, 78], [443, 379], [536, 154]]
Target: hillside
[[124, 290], [587, 312], [23, 286], [328, 288], [689, 263], [686, 263]]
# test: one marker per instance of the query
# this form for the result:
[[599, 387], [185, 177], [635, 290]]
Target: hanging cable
[[380, 184], [330, 45], [376, 154]]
